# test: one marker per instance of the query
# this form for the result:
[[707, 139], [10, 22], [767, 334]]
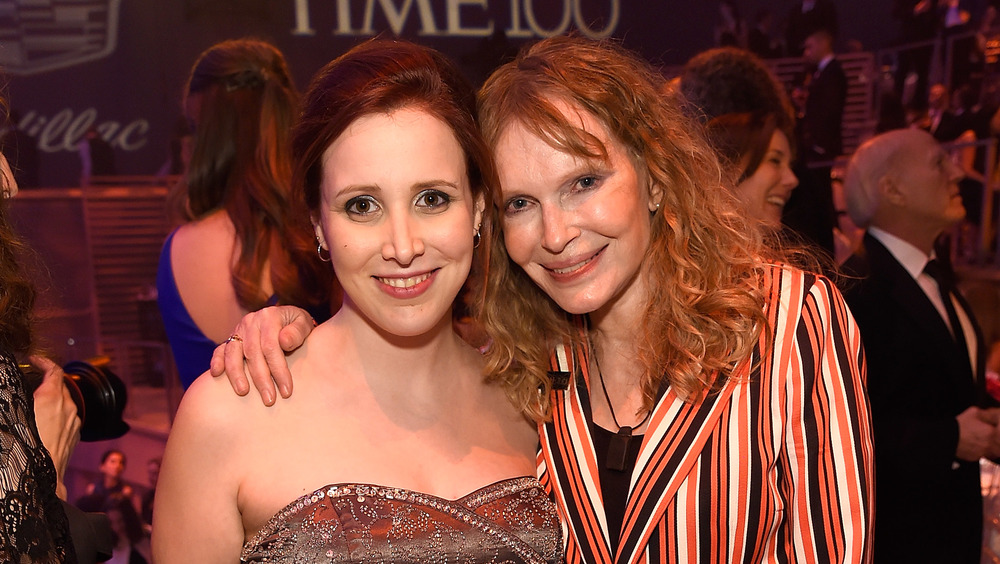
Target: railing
[[940, 68], [859, 115], [133, 180], [100, 247]]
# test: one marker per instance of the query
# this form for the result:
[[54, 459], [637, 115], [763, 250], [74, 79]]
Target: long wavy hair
[[703, 271], [17, 292], [241, 162]]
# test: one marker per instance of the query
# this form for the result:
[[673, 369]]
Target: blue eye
[[588, 182], [515, 205]]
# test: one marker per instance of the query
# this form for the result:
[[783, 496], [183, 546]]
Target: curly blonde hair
[[704, 312]]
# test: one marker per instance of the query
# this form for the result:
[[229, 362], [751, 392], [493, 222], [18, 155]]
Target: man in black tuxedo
[[822, 139], [931, 417], [810, 210]]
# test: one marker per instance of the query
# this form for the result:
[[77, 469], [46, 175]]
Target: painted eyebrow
[[436, 183], [357, 188], [353, 189]]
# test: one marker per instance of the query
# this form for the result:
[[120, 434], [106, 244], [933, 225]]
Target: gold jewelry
[[234, 337]]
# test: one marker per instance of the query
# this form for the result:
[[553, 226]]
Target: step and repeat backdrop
[[120, 65]]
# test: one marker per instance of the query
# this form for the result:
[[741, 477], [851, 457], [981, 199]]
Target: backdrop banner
[[120, 65]]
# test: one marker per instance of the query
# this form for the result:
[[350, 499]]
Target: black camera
[[99, 395], [100, 398]]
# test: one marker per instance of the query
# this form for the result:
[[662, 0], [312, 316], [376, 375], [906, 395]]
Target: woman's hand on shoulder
[[256, 351]]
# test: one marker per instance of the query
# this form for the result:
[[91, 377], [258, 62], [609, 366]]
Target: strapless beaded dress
[[508, 521]]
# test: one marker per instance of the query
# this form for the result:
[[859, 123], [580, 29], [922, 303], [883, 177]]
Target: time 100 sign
[[523, 19]]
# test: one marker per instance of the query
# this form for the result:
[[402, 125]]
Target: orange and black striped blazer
[[776, 467]]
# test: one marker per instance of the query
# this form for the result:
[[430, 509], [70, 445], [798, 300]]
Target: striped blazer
[[775, 467]]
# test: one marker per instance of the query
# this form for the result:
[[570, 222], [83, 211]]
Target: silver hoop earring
[[319, 251]]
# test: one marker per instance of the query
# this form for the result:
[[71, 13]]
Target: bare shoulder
[[210, 432], [204, 465], [213, 233], [213, 409], [202, 250]]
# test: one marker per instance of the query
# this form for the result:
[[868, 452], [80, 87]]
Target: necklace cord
[[600, 376]]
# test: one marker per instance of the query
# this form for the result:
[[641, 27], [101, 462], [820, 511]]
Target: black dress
[[33, 524]]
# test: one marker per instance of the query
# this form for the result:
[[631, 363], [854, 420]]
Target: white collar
[[913, 259], [823, 62]]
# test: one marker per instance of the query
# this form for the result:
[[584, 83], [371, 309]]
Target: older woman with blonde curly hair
[[702, 402]]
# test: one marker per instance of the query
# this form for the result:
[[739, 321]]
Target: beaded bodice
[[507, 521]]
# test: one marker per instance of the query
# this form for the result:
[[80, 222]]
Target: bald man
[[931, 416]]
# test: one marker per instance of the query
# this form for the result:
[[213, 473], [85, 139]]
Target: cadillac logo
[[42, 35]]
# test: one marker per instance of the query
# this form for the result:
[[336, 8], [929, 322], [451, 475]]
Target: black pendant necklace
[[618, 448]]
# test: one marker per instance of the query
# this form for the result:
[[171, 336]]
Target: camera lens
[[100, 398]]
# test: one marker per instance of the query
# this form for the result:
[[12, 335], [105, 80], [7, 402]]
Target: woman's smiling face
[[579, 227], [765, 192], [398, 217]]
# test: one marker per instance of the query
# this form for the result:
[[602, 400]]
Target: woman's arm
[[257, 350], [196, 516], [828, 440]]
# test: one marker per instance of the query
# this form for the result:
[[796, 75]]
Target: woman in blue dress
[[241, 248]]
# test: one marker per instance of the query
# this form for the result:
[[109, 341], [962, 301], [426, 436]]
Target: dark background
[[138, 86]]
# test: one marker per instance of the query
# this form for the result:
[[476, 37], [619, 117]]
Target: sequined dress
[[507, 521]]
